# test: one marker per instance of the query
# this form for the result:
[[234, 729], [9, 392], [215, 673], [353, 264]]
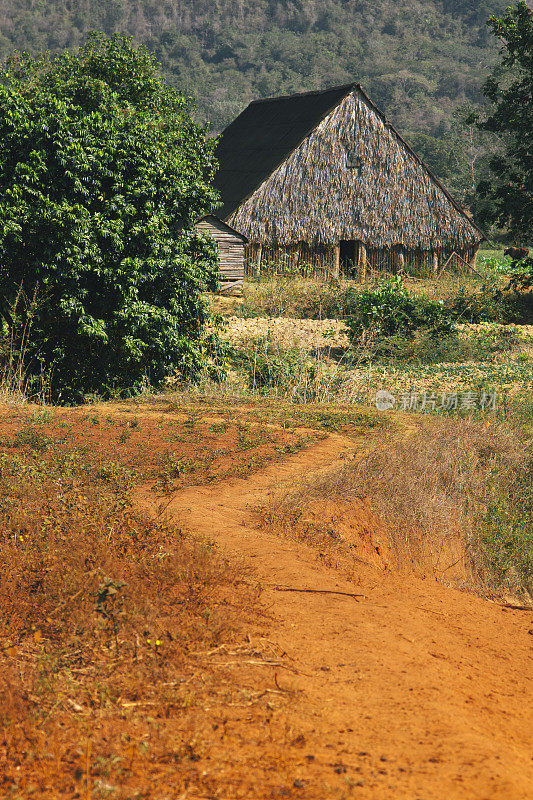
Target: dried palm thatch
[[301, 174]]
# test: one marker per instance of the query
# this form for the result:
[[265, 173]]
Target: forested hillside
[[419, 60]]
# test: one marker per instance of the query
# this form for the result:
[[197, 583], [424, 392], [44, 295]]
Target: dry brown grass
[[81, 570], [427, 491], [114, 634], [99, 609]]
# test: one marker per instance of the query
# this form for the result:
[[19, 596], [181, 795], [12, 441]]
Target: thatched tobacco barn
[[321, 179]]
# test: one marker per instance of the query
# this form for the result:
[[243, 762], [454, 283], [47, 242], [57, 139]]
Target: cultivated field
[[291, 338]]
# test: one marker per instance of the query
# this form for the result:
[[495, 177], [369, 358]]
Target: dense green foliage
[[102, 176], [418, 59], [399, 324], [521, 278], [390, 309], [508, 195]]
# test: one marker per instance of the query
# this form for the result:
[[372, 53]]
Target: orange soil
[[411, 691], [181, 449]]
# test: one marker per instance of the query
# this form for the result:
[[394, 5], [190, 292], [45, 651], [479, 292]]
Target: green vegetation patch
[[103, 174]]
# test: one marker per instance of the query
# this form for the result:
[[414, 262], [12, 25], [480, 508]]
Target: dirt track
[[413, 691]]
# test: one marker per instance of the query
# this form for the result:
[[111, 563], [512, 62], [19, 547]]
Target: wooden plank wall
[[230, 250]]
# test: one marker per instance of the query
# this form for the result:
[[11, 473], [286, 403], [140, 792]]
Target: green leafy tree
[[102, 176], [507, 198]]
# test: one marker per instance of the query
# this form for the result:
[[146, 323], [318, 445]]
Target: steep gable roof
[[264, 135]]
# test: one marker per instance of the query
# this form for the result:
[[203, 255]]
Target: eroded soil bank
[[239, 659]]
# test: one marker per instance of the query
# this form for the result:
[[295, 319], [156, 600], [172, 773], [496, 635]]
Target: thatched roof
[[262, 137], [321, 167]]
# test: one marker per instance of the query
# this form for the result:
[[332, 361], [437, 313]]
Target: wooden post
[[258, 261], [473, 257], [361, 261], [435, 263], [336, 261], [400, 263]]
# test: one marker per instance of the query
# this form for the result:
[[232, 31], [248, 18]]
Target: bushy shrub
[[293, 373], [505, 531], [495, 264], [272, 370], [390, 309], [491, 304], [103, 174], [426, 348], [522, 276], [483, 306]]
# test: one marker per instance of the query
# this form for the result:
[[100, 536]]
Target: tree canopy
[[507, 197], [102, 176]]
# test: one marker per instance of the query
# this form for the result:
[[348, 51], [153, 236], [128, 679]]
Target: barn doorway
[[348, 258]]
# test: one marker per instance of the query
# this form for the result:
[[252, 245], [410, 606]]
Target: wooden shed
[[322, 180], [230, 250]]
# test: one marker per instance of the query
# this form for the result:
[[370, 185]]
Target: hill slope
[[418, 59]]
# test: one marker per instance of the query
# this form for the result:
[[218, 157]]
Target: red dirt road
[[413, 691]]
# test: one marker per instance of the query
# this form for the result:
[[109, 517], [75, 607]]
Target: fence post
[[361, 261], [336, 261]]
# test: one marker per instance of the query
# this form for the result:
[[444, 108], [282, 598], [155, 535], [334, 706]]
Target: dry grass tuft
[[433, 493]]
